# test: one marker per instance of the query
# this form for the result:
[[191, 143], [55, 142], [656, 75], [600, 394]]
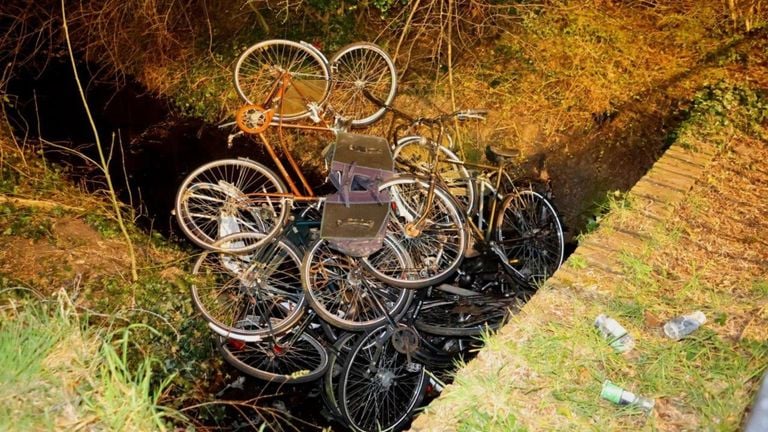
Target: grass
[[57, 374], [544, 370], [58, 239], [616, 202]]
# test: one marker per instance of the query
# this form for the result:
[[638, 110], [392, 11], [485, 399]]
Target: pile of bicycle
[[395, 275]]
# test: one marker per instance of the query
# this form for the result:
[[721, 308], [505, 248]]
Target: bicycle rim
[[438, 249], [530, 234], [464, 316], [259, 70], [356, 67], [379, 388], [258, 293], [336, 358], [344, 293], [289, 359], [231, 197]]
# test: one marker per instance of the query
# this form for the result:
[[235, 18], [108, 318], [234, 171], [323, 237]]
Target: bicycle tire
[[437, 251], [392, 374], [359, 66], [336, 358], [465, 316], [412, 156], [296, 359], [344, 293], [256, 294], [213, 201], [257, 72], [528, 230]]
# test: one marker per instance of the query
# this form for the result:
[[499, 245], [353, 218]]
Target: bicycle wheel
[[231, 196], [506, 185], [336, 358], [380, 386], [529, 233], [345, 294], [412, 155], [435, 246], [290, 359], [255, 294], [298, 70], [449, 315], [357, 67]]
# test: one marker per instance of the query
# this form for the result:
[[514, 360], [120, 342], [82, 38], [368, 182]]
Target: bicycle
[[258, 312], [255, 304], [384, 375], [290, 81], [520, 227], [314, 81]]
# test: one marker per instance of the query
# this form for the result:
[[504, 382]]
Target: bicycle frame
[[434, 179], [281, 85]]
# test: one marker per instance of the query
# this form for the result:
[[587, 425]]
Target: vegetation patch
[[142, 346], [59, 374]]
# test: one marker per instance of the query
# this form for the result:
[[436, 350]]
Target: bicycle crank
[[405, 340], [253, 119]]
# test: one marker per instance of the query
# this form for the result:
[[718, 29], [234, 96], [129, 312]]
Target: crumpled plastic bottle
[[617, 336], [680, 327]]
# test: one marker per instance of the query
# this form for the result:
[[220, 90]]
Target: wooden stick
[[48, 205]]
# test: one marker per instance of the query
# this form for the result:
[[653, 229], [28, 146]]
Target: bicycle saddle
[[496, 154]]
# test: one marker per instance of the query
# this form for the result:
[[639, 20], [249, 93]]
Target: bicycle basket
[[354, 218]]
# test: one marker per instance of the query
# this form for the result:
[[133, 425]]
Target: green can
[[612, 392]]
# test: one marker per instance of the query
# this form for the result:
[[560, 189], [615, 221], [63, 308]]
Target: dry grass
[[596, 88]]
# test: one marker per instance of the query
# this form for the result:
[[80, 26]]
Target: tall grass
[[58, 374]]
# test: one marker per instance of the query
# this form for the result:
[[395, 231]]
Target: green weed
[[577, 262], [613, 202], [760, 287], [640, 273], [24, 222], [476, 420], [29, 389], [58, 374], [717, 110], [106, 226], [126, 397]]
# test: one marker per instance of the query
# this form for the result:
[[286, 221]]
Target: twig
[[48, 205], [403, 33], [104, 163]]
